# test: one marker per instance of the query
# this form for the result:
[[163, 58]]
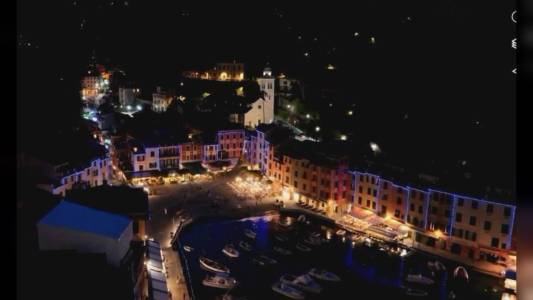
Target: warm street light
[[317, 129]]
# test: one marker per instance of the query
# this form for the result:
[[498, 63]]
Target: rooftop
[[322, 154], [74, 276], [275, 133], [82, 218], [122, 200]]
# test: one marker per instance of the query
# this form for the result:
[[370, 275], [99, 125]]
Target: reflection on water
[[364, 270]]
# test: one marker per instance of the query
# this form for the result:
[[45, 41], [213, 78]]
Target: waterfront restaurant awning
[[360, 213], [157, 280], [192, 168], [157, 285]]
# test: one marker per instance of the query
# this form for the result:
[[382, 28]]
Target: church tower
[[266, 85]]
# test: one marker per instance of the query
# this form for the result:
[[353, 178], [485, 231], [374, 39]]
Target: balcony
[[168, 154]]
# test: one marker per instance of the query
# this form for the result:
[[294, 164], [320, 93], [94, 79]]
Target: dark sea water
[[365, 271]]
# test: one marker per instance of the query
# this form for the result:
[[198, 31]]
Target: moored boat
[[230, 251], [285, 222], [281, 238], [324, 275], [268, 260], [245, 246], [340, 232], [288, 291], [316, 234], [415, 292], [460, 273], [302, 247], [221, 282], [418, 278], [436, 266], [302, 282], [213, 266], [250, 233], [282, 251], [188, 248], [258, 261], [312, 241]]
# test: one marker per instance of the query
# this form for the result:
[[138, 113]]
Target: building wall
[[126, 96], [160, 102], [393, 200], [440, 211], [471, 216], [210, 153], [231, 144], [169, 157], [221, 72], [89, 82], [99, 171], [366, 191], [147, 161], [190, 152], [60, 238], [418, 204], [228, 71]]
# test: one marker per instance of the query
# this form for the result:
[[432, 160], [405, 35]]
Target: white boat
[[415, 292], [281, 238], [316, 234], [302, 247], [282, 251], [188, 248], [452, 295], [211, 265], [303, 282], [418, 278], [268, 260], [245, 246], [324, 275], [440, 266], [340, 232], [301, 218], [288, 291], [403, 253], [460, 273], [259, 261], [221, 282], [436, 266], [250, 233], [285, 223], [312, 241], [230, 251]]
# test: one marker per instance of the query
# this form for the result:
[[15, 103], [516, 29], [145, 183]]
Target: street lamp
[[317, 129]]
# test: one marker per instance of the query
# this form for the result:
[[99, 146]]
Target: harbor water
[[364, 268]]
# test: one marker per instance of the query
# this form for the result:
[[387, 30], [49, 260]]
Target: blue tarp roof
[[82, 218]]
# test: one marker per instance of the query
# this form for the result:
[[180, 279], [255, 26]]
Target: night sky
[[447, 66]]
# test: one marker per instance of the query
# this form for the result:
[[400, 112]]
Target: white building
[[126, 96], [98, 172], [160, 101], [145, 159], [70, 226], [262, 110]]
